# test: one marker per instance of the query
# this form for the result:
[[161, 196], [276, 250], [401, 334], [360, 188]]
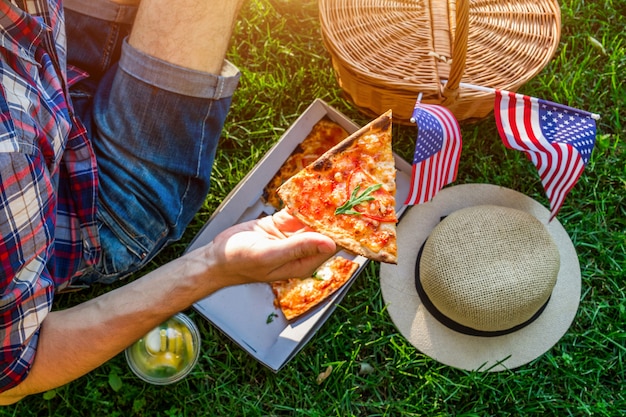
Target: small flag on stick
[[556, 138], [437, 152]]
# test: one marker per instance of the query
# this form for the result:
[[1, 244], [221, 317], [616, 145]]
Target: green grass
[[285, 67]]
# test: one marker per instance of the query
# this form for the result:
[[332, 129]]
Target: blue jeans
[[154, 127]]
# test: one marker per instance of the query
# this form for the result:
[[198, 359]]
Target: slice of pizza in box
[[249, 314]]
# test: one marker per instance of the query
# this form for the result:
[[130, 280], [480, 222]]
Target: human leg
[[155, 127], [191, 33]]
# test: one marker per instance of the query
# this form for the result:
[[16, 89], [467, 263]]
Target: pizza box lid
[[246, 313]]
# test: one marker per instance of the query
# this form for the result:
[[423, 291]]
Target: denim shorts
[[154, 127]]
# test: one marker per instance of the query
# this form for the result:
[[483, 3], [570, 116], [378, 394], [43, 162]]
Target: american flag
[[437, 152], [556, 138]]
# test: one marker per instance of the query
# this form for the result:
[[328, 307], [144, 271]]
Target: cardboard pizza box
[[246, 313]]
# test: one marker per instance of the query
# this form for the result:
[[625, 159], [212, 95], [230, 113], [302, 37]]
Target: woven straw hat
[[484, 281]]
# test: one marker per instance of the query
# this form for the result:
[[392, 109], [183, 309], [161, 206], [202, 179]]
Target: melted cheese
[[324, 273]]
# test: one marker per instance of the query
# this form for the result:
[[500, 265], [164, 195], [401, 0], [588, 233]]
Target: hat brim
[[455, 349]]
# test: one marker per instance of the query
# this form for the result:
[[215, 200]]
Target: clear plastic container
[[167, 353]]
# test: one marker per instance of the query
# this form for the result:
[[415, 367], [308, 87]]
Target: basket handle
[[450, 91]]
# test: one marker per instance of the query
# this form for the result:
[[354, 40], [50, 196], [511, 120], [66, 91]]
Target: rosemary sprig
[[356, 199]]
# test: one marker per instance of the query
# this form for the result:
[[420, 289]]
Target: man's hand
[[268, 249]]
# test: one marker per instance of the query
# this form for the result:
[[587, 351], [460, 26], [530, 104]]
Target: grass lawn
[[285, 67]]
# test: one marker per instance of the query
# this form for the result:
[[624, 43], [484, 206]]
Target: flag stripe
[[451, 152]]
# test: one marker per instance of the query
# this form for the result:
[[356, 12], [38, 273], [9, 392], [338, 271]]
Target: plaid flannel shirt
[[48, 178]]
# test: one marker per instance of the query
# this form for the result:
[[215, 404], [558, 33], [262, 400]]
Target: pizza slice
[[325, 134], [348, 193], [296, 296]]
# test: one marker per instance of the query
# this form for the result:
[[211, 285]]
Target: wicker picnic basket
[[386, 52]]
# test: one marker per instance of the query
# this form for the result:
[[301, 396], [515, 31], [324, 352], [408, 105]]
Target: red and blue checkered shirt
[[48, 178]]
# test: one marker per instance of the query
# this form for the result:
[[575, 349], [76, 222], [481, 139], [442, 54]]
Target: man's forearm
[[72, 342], [75, 341]]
